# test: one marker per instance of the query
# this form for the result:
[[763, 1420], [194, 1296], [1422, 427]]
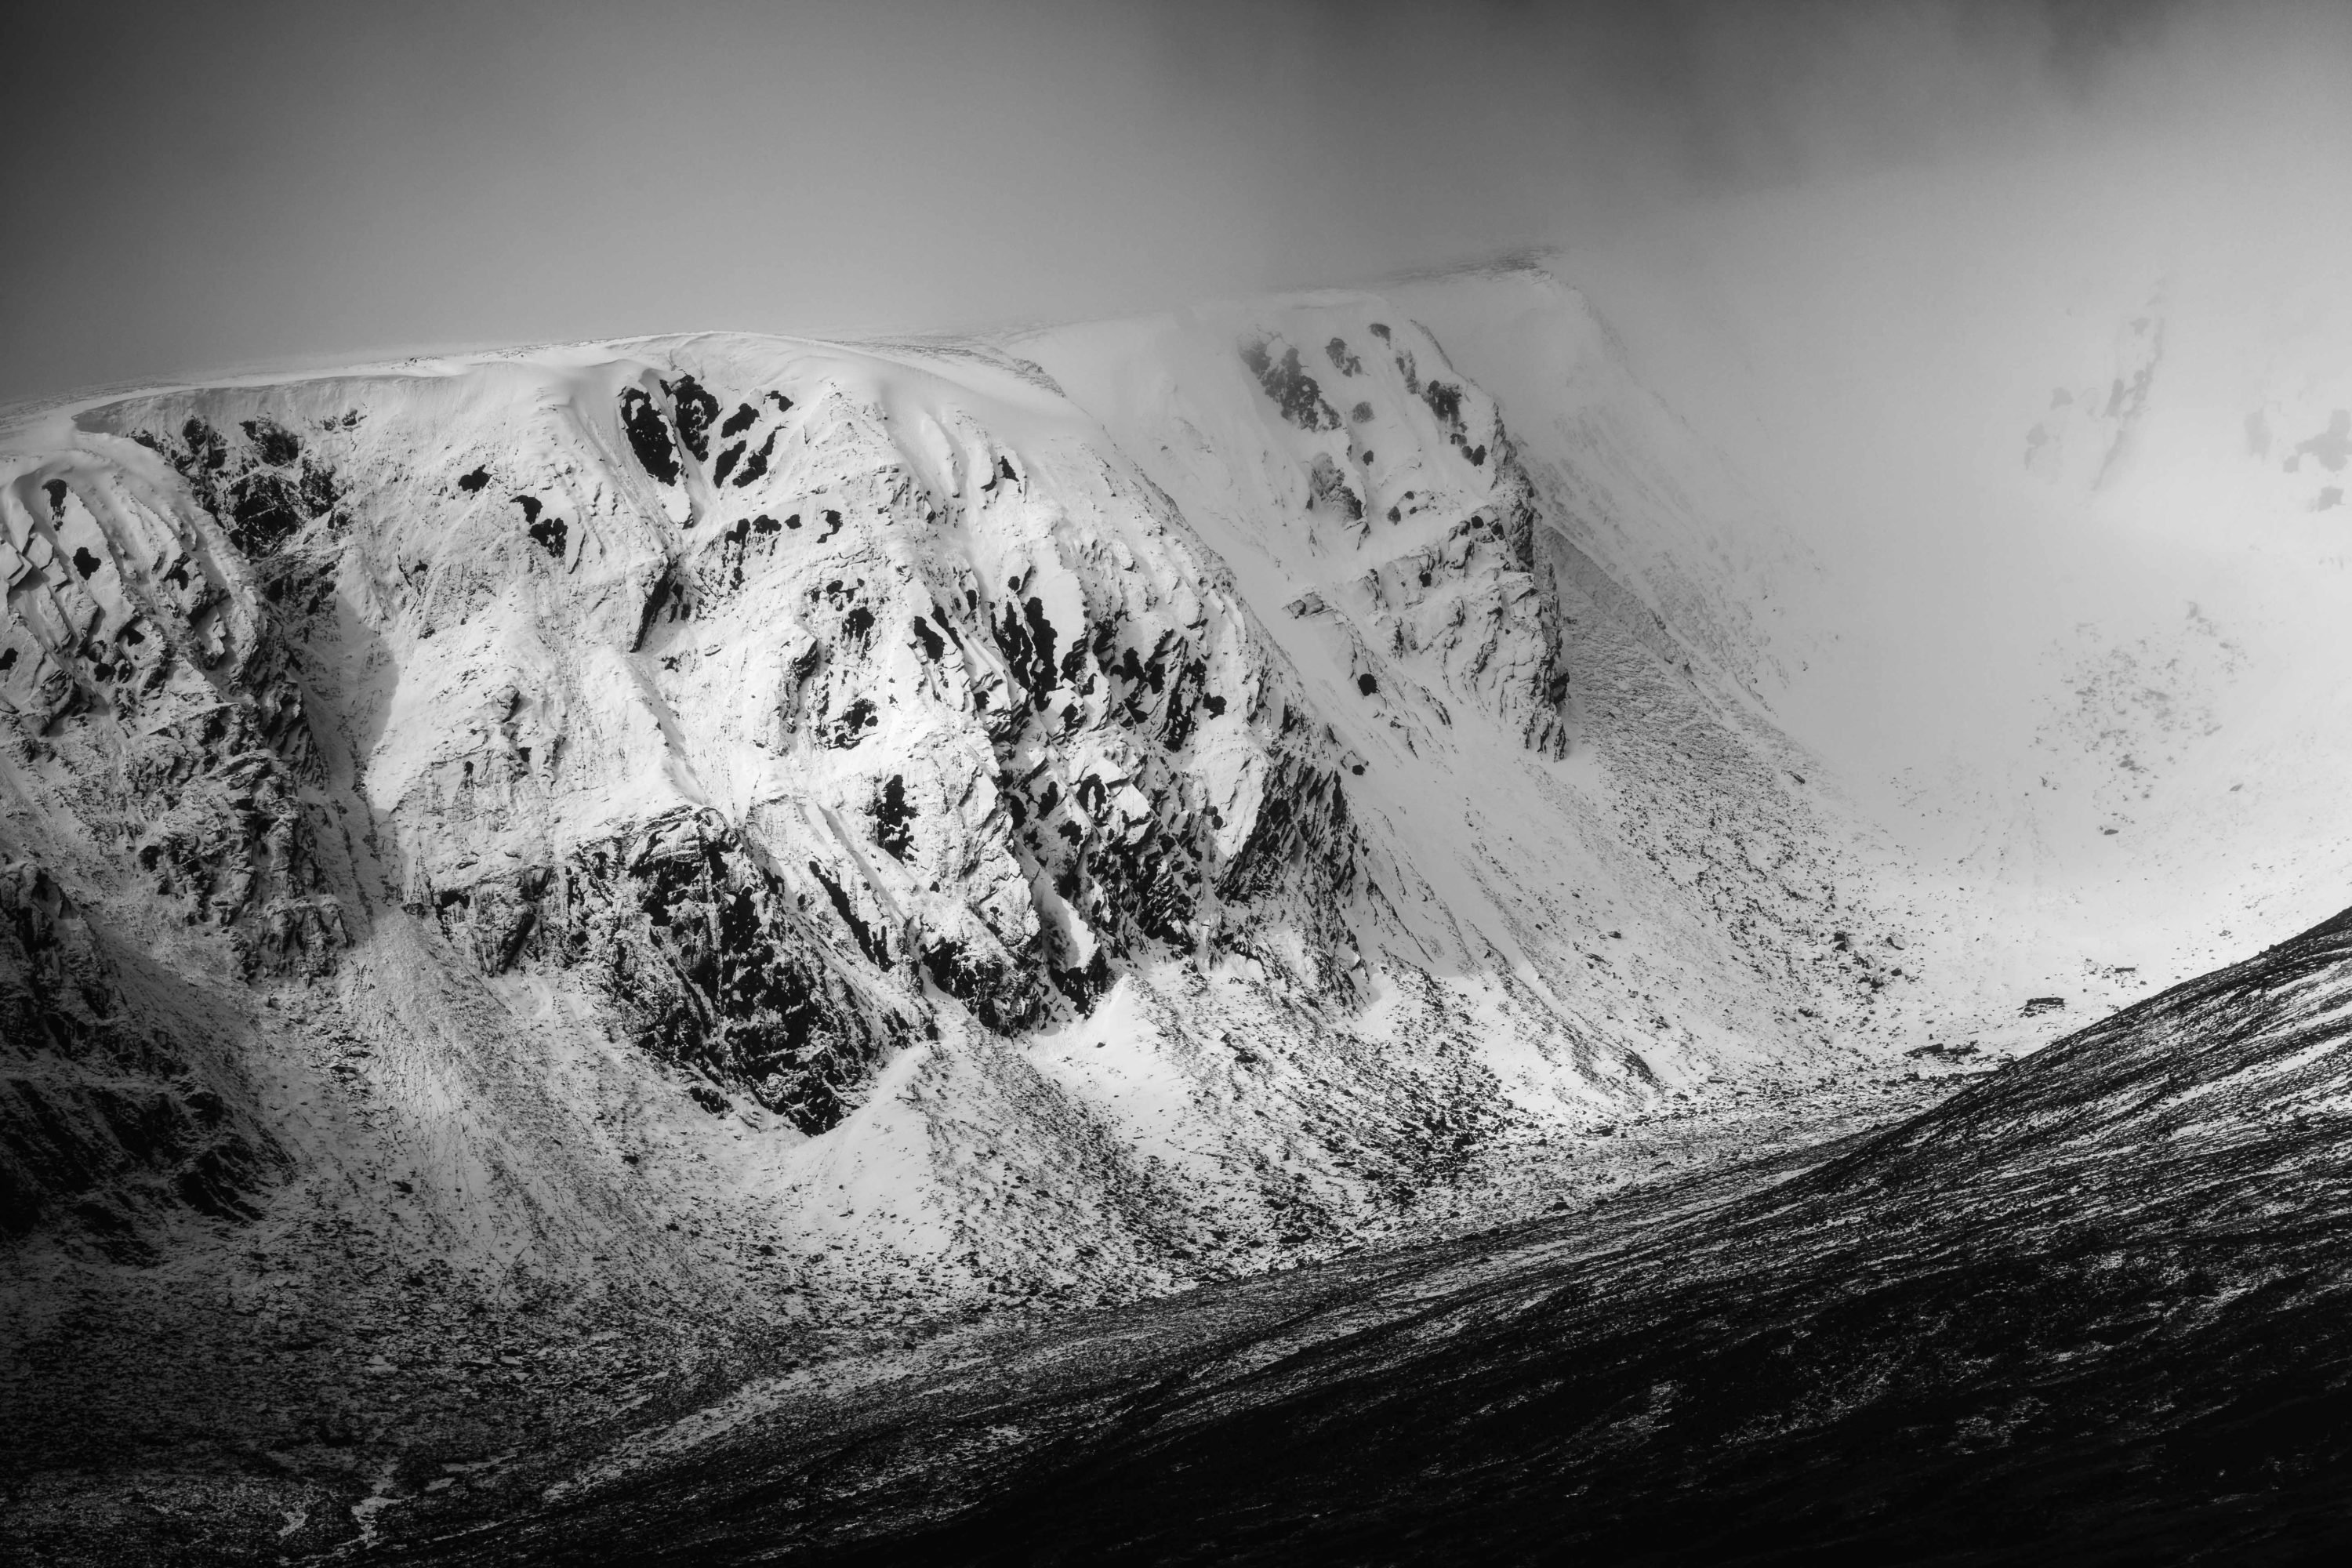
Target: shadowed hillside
[[2093, 1305]]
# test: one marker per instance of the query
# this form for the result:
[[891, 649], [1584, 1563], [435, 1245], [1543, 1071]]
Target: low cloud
[[192, 188]]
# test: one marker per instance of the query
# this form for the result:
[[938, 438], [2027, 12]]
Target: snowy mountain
[[1224, 809], [539, 884]]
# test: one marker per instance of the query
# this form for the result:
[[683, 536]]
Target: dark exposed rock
[[893, 818], [649, 436], [263, 498], [1026, 639], [1295, 393], [108, 1120], [666, 602], [318, 489], [703, 954], [851, 726], [548, 532], [1000, 994], [265, 514], [758, 463], [272, 442], [696, 410], [1444, 401], [1329, 491], [870, 941]]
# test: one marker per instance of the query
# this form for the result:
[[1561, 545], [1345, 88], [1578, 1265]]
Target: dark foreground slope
[[2096, 1305]]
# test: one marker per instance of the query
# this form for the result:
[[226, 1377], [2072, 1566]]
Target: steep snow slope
[[1701, 626], [1656, 508], [1348, 458], [2070, 482]]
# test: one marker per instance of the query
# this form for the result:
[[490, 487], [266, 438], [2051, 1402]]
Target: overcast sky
[[196, 187]]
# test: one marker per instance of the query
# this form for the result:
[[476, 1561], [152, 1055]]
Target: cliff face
[[1128, 801], [763, 718]]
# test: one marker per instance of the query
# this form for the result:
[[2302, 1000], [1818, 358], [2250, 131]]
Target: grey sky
[[197, 187]]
